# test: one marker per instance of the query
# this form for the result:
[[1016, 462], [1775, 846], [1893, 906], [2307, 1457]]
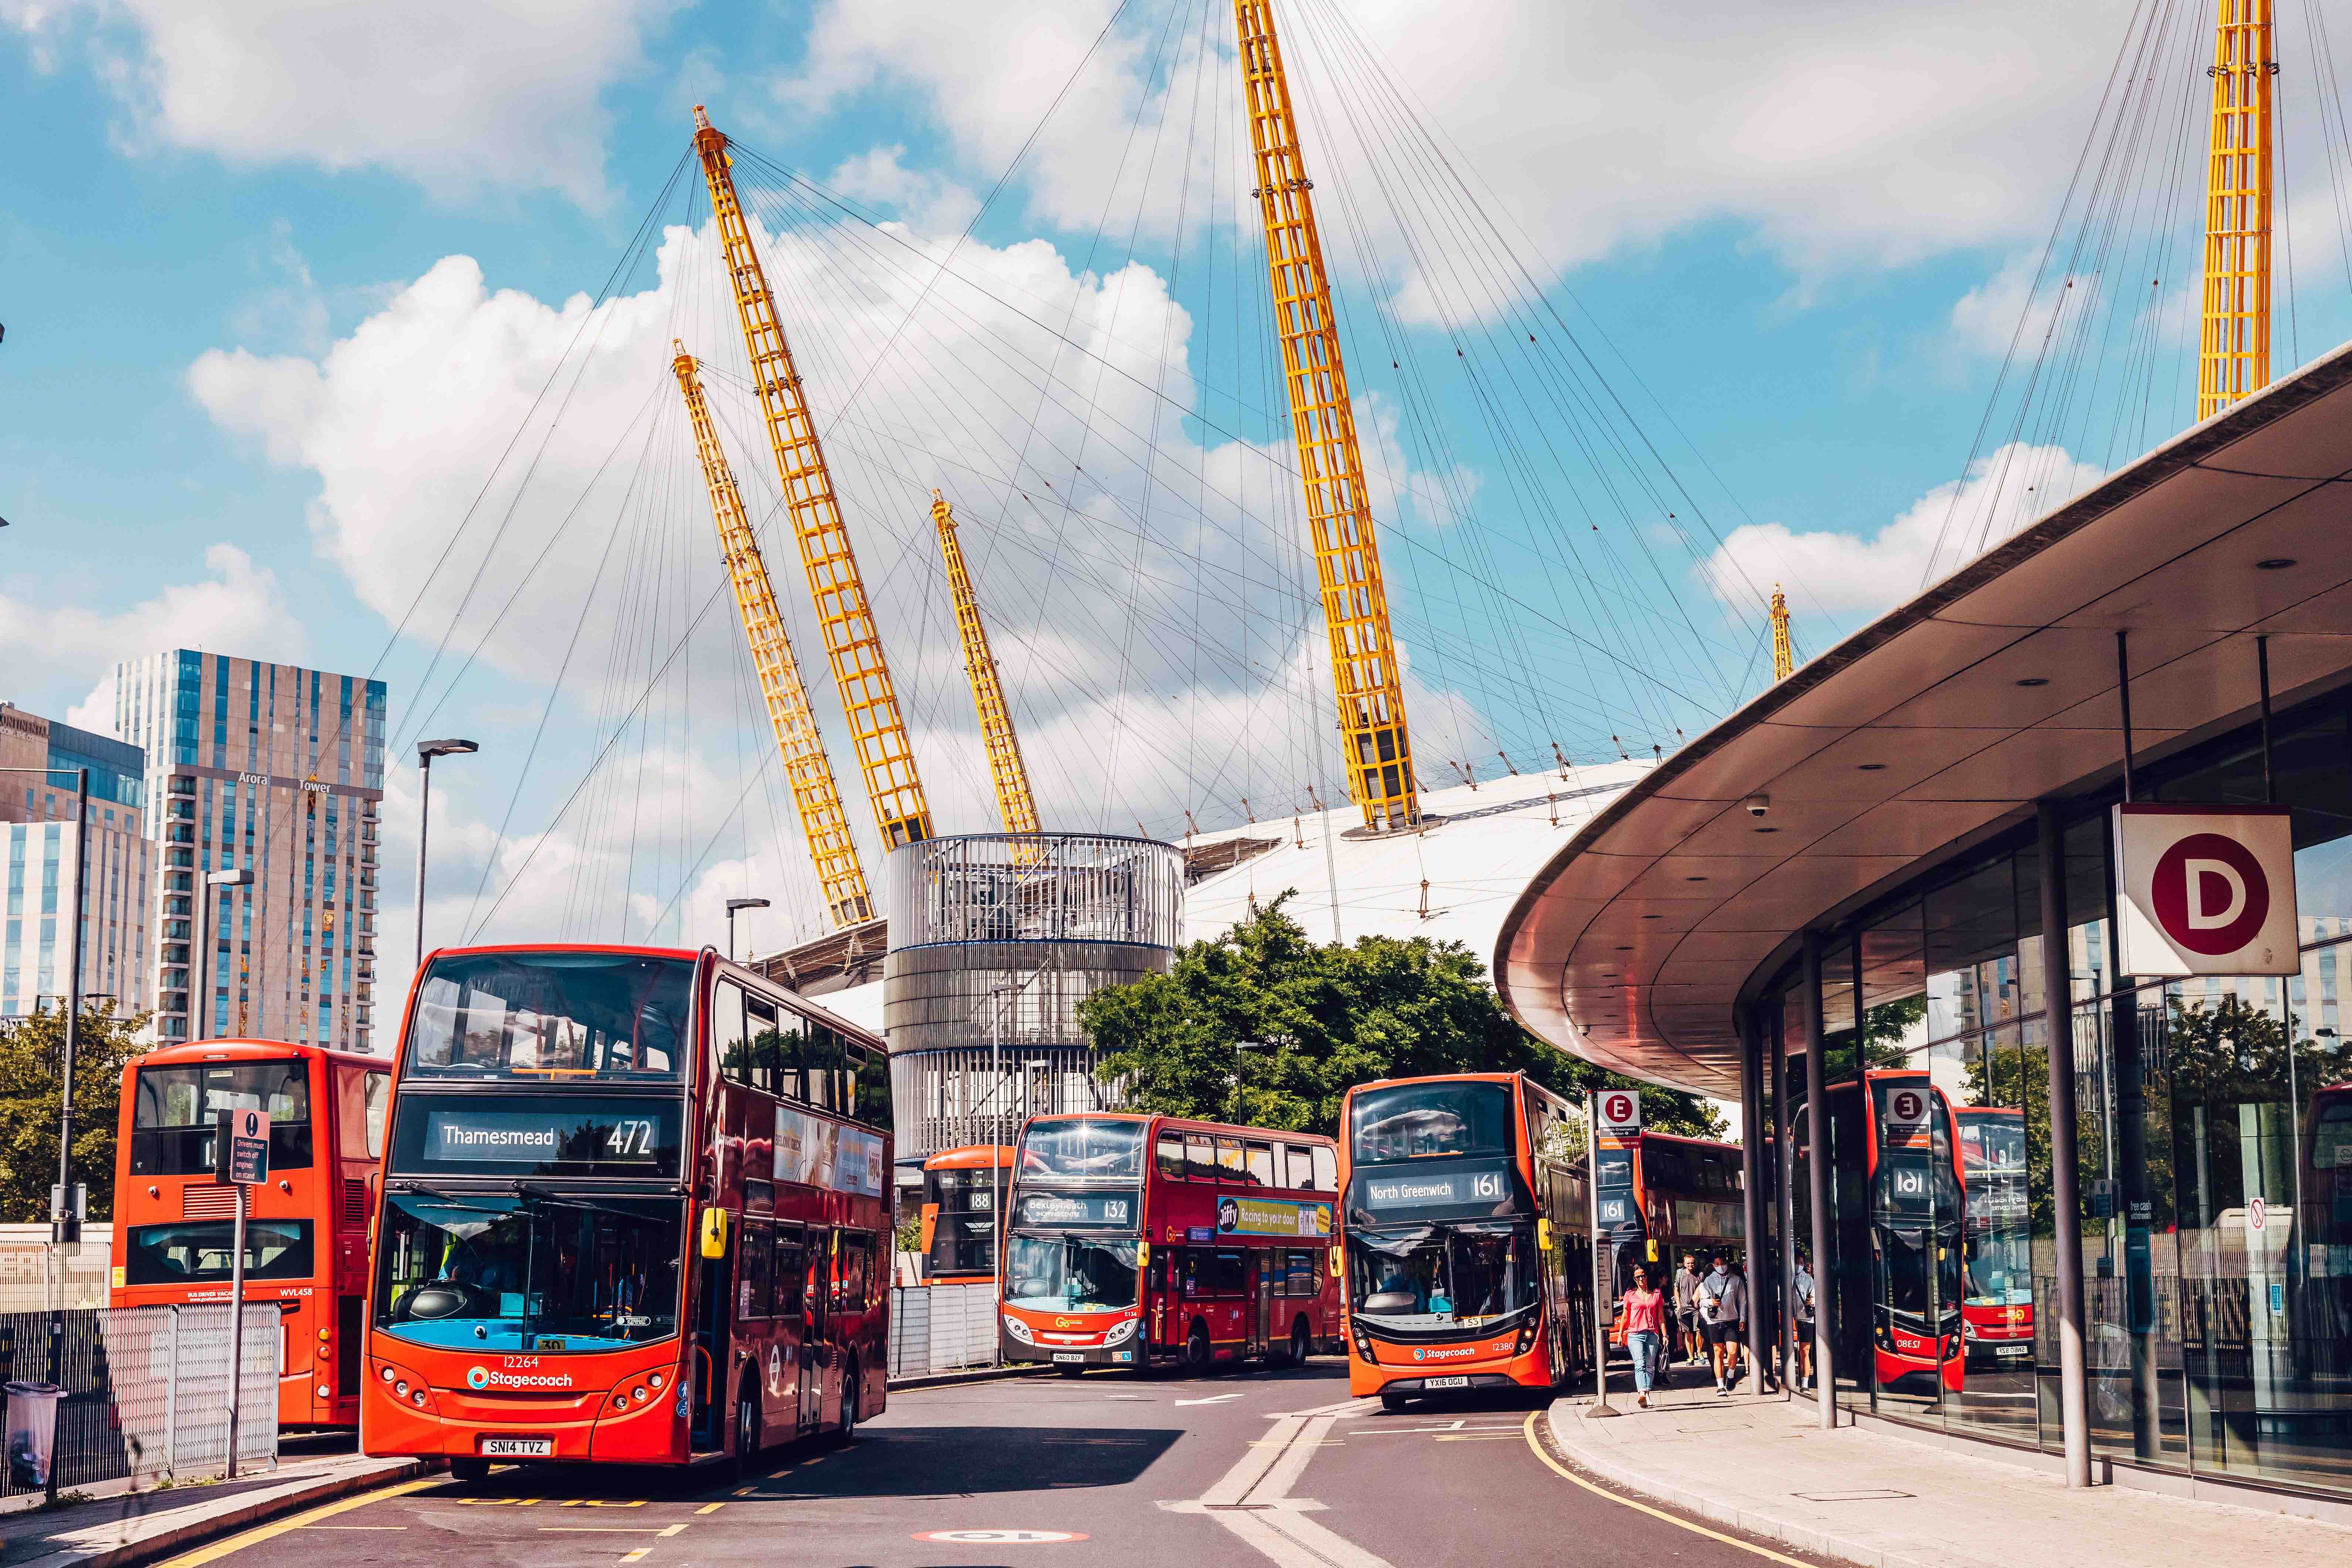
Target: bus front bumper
[[1128, 1354]]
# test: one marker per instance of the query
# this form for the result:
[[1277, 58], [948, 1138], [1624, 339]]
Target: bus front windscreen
[[538, 1273], [1082, 1149], [1430, 1120], [1441, 1276], [552, 1016], [1069, 1273]]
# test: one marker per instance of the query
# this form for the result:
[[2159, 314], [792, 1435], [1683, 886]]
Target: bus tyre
[[1065, 1368], [1391, 1402], [1301, 1346], [848, 1404], [470, 1469], [1196, 1350], [747, 1431]]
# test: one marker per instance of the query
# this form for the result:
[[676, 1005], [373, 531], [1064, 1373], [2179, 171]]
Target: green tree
[[32, 1071], [1317, 1019]]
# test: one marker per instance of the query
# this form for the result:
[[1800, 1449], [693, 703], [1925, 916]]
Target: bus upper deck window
[[1200, 1159], [1170, 1156]]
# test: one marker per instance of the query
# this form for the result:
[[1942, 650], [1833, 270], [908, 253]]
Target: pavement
[[1245, 1468], [126, 1528], [1765, 1468]]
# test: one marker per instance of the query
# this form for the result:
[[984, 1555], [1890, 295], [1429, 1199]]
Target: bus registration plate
[[1058, 1355], [517, 1447], [1997, 1350], [1446, 1383]]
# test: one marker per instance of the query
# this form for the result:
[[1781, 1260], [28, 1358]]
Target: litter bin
[[32, 1433]]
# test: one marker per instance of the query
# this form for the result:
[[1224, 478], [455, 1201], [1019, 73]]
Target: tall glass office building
[[38, 856], [276, 769]]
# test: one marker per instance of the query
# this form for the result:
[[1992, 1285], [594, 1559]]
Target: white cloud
[[1147, 601], [1848, 578], [457, 95], [1841, 132], [930, 203], [52, 627]]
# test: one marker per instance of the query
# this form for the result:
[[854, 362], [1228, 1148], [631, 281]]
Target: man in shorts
[[1722, 1298], [1686, 1321]]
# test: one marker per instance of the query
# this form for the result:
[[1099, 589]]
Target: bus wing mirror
[[1543, 1236], [1142, 1258], [1654, 1250], [714, 1233]]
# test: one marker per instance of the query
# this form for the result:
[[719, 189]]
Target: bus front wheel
[[1391, 1403], [469, 1470]]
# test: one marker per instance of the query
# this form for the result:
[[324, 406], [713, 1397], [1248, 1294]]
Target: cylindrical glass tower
[[995, 938]]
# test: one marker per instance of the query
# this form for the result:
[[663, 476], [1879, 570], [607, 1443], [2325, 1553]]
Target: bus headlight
[[1363, 1342], [1120, 1333], [1527, 1338], [1018, 1329]]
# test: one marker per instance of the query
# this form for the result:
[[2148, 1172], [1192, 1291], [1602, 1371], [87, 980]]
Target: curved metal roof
[[1920, 734]]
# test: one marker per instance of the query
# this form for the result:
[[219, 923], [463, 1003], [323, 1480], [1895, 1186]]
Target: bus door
[[816, 1333], [1261, 1290], [714, 1318]]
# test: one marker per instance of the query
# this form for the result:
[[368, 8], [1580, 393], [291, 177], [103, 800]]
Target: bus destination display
[[1484, 1189], [1099, 1211], [498, 1136]]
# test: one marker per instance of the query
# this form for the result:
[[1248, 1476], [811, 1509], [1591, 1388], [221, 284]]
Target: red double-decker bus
[[1136, 1238], [962, 1191], [637, 1208], [1468, 1250], [1997, 1242], [306, 1227]]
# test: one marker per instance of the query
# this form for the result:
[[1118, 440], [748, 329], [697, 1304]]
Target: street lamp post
[[426, 751], [213, 880], [733, 905], [1233, 1098]]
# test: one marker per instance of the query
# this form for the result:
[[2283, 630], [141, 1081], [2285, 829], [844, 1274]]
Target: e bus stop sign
[[241, 1146], [1620, 1112]]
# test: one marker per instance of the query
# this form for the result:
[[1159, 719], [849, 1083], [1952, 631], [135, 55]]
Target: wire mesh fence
[[145, 1391], [941, 1328]]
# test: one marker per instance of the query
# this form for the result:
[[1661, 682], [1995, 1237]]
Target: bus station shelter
[[1862, 870]]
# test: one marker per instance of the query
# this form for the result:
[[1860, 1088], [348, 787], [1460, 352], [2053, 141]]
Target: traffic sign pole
[[241, 1159], [235, 1323], [1599, 1406]]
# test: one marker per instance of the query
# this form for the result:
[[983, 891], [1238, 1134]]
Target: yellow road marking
[[706, 1508], [634, 1556], [593, 1529], [352, 1526], [817, 1460], [1568, 1475], [221, 1549], [740, 1491], [673, 1530]]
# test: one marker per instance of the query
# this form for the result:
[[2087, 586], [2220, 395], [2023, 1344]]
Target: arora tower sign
[[2206, 890]]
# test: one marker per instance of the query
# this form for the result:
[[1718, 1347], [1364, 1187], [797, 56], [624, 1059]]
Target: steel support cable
[[1481, 213], [2025, 312], [599, 319], [1421, 259]]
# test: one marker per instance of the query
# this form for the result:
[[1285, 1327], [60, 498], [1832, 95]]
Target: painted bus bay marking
[[1253, 1501], [219, 1550], [1000, 1537]]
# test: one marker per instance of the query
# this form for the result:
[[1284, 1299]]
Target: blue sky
[[1802, 228]]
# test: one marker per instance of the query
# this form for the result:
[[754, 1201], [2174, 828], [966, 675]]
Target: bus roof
[[247, 1051], [975, 1158], [684, 955], [1193, 1123]]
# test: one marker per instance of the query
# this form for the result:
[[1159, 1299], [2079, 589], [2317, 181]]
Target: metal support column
[[2058, 1028], [1817, 1184], [1784, 1207], [1751, 1183]]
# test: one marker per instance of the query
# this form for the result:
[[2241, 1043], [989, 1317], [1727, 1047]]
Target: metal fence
[[941, 1328], [146, 1390]]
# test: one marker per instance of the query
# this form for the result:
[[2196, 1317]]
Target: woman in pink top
[[1645, 1330]]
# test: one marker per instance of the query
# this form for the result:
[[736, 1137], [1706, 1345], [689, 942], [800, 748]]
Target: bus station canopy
[[1941, 723]]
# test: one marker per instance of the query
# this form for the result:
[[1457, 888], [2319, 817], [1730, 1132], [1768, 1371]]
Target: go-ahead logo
[[477, 1377]]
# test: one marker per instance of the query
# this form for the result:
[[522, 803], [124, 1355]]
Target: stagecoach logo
[[1422, 1352], [483, 1377]]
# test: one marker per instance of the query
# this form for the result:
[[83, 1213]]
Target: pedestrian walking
[[1646, 1330], [1801, 1326], [1723, 1303], [1688, 1330]]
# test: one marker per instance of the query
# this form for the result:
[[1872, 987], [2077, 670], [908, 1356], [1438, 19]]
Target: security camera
[[1758, 804]]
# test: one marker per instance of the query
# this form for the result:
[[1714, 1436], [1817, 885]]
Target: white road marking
[[1212, 1399], [1253, 1500]]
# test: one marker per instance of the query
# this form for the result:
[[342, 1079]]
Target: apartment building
[[39, 854]]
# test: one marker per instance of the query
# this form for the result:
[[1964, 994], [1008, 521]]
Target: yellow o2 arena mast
[[867, 697], [814, 792], [1006, 771], [2234, 357], [1347, 556]]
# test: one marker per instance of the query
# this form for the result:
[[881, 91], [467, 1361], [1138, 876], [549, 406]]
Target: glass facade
[[2213, 1138]]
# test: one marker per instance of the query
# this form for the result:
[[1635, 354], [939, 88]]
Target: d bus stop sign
[[241, 1144]]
